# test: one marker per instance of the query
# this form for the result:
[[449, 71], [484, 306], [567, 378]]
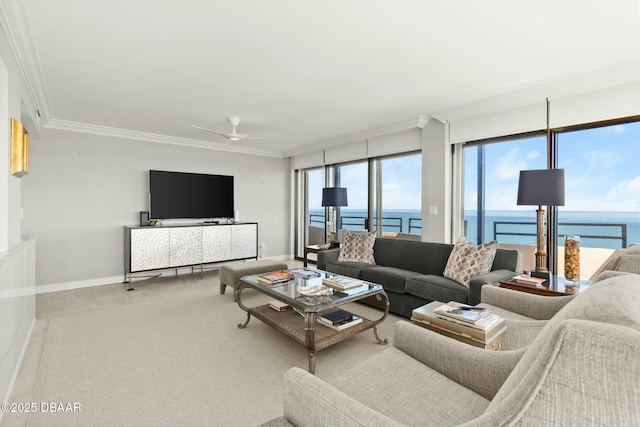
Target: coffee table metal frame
[[301, 322]]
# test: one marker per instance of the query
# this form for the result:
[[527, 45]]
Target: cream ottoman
[[230, 274]]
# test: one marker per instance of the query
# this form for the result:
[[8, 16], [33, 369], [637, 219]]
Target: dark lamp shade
[[544, 187], [334, 196]]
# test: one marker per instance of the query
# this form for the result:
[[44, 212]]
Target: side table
[[314, 249], [554, 286]]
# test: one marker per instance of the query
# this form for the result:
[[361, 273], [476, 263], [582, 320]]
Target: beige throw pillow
[[468, 260], [357, 246]]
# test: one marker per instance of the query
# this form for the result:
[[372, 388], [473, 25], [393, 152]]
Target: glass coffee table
[[301, 322]]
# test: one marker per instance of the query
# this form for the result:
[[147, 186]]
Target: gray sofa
[[411, 272], [580, 369]]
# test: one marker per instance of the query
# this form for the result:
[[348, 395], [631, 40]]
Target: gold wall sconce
[[19, 149]]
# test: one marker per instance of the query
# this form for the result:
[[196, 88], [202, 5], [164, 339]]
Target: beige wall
[[83, 189]]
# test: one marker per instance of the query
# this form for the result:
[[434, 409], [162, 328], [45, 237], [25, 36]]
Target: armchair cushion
[[309, 401], [479, 370], [406, 385]]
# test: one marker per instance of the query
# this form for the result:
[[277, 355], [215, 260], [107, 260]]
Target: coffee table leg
[[310, 339], [238, 294], [380, 320]]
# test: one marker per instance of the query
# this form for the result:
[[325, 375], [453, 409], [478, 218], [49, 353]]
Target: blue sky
[[602, 173], [401, 186]]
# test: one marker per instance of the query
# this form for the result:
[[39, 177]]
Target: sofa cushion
[[467, 260], [357, 247], [346, 268], [398, 386], [391, 278], [436, 288], [421, 257]]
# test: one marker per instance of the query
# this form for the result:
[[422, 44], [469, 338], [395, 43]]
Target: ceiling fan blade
[[263, 135], [230, 136], [234, 135], [225, 134]]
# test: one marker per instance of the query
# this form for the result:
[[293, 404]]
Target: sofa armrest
[[476, 283], [325, 256], [309, 401], [534, 306], [480, 370]]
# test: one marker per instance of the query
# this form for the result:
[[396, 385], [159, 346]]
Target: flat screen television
[[190, 195]]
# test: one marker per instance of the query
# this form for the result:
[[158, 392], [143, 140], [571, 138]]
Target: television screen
[[190, 195]]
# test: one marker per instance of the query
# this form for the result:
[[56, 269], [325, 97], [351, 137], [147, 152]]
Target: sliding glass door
[[355, 177], [400, 203], [491, 173], [314, 212]]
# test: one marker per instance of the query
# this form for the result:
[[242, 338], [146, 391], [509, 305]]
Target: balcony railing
[[564, 228], [525, 229], [355, 222]]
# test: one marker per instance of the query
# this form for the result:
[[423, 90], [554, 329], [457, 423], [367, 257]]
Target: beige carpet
[[179, 362]]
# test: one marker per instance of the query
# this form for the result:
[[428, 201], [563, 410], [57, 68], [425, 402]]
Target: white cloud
[[508, 166], [626, 193], [601, 159], [533, 154]]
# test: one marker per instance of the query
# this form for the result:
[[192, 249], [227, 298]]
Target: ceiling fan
[[234, 135]]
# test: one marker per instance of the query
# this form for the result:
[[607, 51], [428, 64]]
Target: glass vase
[[572, 259]]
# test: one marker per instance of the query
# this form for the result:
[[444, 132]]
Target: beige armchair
[[581, 369], [525, 314]]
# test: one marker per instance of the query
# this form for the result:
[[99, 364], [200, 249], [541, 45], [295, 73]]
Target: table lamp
[[333, 197], [543, 187]]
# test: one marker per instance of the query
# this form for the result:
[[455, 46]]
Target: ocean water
[[596, 229]]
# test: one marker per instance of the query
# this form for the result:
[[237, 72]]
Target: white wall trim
[[16, 28], [14, 376], [115, 280], [71, 126], [65, 286]]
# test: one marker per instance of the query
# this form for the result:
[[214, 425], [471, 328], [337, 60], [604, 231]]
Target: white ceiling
[[315, 71]]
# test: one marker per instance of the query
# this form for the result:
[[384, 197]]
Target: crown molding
[[70, 126], [413, 123], [16, 29]]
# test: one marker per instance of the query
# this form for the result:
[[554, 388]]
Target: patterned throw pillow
[[357, 246], [468, 260]]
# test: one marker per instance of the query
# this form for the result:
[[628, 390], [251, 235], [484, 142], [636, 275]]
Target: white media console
[[168, 247]]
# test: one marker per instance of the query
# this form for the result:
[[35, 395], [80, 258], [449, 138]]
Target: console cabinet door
[[149, 248], [186, 246], [216, 243], [244, 241]]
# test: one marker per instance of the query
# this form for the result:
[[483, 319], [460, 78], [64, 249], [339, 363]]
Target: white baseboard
[[14, 377], [65, 286]]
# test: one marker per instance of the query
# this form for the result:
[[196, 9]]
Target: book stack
[[528, 280], [306, 273], [339, 319], [341, 283], [475, 326], [279, 305], [472, 317], [275, 277]]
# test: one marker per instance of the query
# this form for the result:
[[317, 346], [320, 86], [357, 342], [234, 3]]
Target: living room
[[61, 225]]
